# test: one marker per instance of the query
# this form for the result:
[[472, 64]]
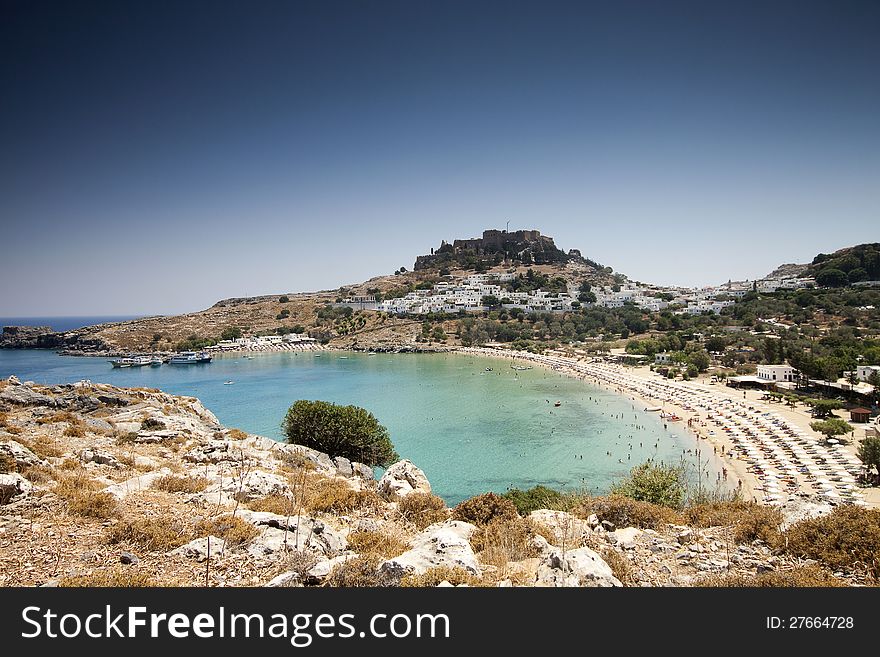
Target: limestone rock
[[363, 471], [797, 508], [567, 529], [343, 466], [442, 544], [581, 567], [22, 456], [281, 534], [401, 479], [254, 484], [198, 549], [12, 485], [24, 395], [625, 537], [101, 458]]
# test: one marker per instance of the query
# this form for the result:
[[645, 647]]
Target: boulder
[[568, 530], [286, 579], [401, 479], [363, 471], [12, 485], [625, 537], [198, 549], [343, 466], [24, 395], [22, 456], [797, 508], [580, 567], [281, 534], [443, 544], [101, 458], [254, 484]]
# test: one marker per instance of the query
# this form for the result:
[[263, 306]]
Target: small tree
[[832, 427], [348, 431], [824, 407], [869, 453], [661, 484], [230, 333]]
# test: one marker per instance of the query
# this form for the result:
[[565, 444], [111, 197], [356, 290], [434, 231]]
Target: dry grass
[[55, 418], [231, 529], [17, 431], [801, 576], [84, 499], [293, 462], [7, 463], [70, 465], [43, 446], [175, 484], [149, 533], [435, 576], [38, 474], [236, 434], [482, 509], [4, 418], [422, 509], [362, 571], [75, 431], [376, 544], [153, 424], [328, 495], [627, 512], [111, 578], [749, 521], [846, 539], [504, 539], [620, 566], [278, 504]]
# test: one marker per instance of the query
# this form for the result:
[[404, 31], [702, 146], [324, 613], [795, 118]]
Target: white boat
[[228, 383], [155, 361], [190, 358], [122, 362], [653, 409]]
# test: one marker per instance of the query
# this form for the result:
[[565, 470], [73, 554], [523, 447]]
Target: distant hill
[[847, 266]]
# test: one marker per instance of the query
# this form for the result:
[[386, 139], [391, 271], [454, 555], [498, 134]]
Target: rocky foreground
[[134, 487]]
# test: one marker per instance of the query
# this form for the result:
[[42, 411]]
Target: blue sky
[[157, 157]]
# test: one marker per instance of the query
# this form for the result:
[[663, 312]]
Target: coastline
[[718, 427]]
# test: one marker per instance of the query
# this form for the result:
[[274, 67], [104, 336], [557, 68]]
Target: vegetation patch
[[362, 571], [482, 509], [175, 484], [504, 539], [538, 497], [83, 499], [334, 496], [277, 504], [110, 578], [750, 521], [847, 539], [231, 529], [798, 577], [626, 512], [376, 544], [436, 576], [422, 509], [161, 534]]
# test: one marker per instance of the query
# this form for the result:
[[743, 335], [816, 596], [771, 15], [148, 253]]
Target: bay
[[472, 424]]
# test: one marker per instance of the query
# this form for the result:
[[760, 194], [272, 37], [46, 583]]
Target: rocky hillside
[[112, 486]]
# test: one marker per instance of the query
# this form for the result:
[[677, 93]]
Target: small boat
[[228, 383], [559, 403], [122, 362], [488, 369], [155, 361], [141, 361], [343, 357], [520, 368], [652, 409], [190, 358]]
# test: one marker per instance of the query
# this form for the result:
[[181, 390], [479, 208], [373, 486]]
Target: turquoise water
[[469, 429]]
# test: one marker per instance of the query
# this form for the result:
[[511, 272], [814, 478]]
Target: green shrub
[[537, 497], [347, 431], [661, 484]]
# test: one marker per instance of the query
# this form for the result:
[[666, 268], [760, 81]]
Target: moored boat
[[190, 358]]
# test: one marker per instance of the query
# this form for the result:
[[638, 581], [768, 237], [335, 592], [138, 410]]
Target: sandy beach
[[768, 447]]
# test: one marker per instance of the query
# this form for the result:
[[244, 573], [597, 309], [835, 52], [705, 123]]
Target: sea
[[473, 424], [61, 324]]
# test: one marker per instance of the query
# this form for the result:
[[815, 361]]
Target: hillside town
[[474, 292]]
